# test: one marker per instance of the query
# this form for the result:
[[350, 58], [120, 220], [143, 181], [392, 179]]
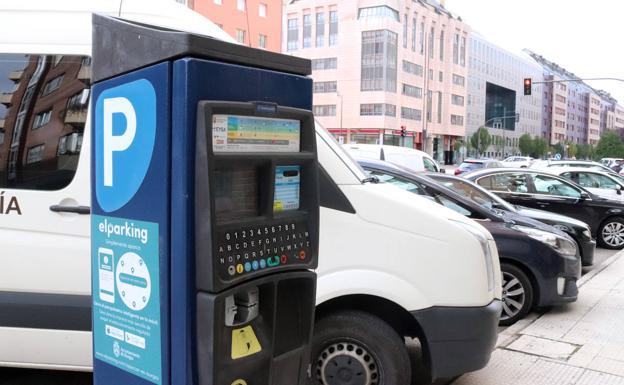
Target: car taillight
[[457, 171]]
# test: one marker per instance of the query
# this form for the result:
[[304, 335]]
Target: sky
[[585, 37]]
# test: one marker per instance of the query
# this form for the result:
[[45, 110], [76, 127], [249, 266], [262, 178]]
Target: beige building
[[383, 68], [593, 120]]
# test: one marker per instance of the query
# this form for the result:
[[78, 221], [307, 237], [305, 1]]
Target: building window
[[240, 5], [379, 11], [240, 36], [405, 27], [462, 52], [457, 100], [430, 74], [329, 63], [52, 85], [325, 110], [333, 27], [377, 109], [412, 68], [70, 144], [262, 41], [431, 43], [35, 154], [414, 23], [456, 49], [459, 80], [441, 45], [323, 87], [379, 61], [457, 120], [422, 38], [293, 35], [262, 10], [429, 104], [439, 107], [307, 31], [413, 91], [411, 113], [218, 2], [440, 76], [320, 29], [41, 119]]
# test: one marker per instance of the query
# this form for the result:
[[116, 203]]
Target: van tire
[[522, 282], [356, 343]]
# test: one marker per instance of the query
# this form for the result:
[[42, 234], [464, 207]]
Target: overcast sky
[[585, 37]]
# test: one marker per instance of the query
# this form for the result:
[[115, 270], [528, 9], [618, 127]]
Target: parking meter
[[205, 210]]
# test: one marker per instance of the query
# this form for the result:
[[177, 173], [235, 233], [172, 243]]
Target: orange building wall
[[230, 19]]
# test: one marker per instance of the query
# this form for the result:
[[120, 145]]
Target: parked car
[[517, 161], [578, 230], [605, 184], [540, 264], [541, 190], [569, 163], [407, 157], [374, 287], [475, 164], [610, 162]]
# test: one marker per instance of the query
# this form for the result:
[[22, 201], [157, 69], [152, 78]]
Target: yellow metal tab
[[239, 382], [244, 343]]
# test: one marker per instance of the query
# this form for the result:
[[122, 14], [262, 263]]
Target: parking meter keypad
[[249, 249]]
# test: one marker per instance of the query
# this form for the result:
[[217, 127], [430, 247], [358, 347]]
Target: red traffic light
[[527, 86]]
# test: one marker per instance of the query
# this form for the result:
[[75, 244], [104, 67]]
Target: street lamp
[[348, 129]]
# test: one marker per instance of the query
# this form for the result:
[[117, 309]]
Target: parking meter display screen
[[236, 193], [237, 133], [287, 181]]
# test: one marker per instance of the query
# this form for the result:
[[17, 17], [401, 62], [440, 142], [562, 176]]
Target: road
[[45, 377]]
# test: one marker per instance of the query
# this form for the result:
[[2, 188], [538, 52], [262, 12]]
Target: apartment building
[[391, 72], [255, 23], [574, 111], [496, 97]]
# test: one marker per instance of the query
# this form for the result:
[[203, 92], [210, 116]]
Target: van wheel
[[611, 234], [517, 294], [357, 348]]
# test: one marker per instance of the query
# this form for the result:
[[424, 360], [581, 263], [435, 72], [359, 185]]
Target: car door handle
[[84, 210], [543, 203]]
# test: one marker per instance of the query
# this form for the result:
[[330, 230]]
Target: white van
[[391, 264], [404, 156]]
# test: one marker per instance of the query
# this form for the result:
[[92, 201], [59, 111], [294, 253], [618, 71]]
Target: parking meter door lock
[[242, 307]]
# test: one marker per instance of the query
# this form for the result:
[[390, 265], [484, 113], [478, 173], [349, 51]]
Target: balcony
[[78, 117], [16, 76], [5, 98]]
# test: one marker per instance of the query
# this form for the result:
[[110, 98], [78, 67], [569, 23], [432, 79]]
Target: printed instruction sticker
[[126, 299]]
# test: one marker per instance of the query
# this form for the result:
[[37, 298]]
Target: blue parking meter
[[205, 210]]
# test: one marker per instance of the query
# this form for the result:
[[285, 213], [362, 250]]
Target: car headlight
[[563, 245], [485, 246]]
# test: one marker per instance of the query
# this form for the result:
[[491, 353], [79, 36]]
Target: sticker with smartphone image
[[106, 265]]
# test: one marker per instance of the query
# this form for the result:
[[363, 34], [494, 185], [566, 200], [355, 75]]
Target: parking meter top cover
[[258, 161]]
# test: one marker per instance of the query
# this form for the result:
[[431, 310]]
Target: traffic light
[[403, 131], [527, 86]]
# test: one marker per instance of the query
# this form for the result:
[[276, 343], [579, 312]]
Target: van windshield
[[340, 152]]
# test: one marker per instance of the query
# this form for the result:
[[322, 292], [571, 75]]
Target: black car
[[540, 264], [578, 230], [540, 190]]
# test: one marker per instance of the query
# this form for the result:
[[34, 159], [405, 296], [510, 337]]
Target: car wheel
[[517, 294], [357, 348], [611, 234]]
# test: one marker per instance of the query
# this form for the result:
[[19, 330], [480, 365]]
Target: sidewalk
[[578, 344]]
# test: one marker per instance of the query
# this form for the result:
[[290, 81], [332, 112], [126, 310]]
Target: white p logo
[[114, 143]]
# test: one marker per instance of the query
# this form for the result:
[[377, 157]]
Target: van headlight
[[562, 245], [487, 252]]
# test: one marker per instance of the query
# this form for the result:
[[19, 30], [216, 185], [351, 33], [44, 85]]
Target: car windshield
[[475, 193], [469, 166]]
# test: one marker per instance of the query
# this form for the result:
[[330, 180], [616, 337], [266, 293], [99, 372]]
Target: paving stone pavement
[[578, 344]]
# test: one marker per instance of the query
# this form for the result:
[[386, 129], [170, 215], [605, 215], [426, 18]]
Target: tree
[[557, 148], [585, 151], [481, 140], [525, 143], [540, 147], [572, 150], [610, 146]]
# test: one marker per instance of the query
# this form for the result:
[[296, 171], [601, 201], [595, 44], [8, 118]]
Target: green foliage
[[609, 146], [572, 150], [585, 151], [525, 143], [481, 140], [557, 148], [540, 147]]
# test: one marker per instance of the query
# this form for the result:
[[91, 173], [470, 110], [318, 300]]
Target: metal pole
[[425, 91]]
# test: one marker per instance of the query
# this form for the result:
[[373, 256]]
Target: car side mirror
[[584, 195], [618, 189]]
